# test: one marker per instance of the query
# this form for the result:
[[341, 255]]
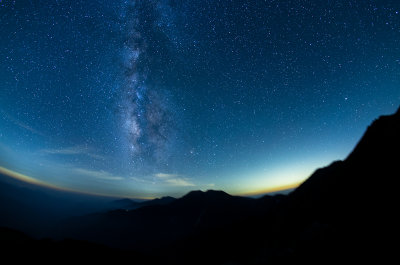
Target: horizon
[[31, 182], [253, 194]]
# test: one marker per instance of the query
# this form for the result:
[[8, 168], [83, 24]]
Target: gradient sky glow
[[153, 98]]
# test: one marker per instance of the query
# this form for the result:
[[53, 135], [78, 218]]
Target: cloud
[[21, 124], [179, 182], [165, 176], [74, 150], [29, 128], [100, 174], [138, 179], [174, 180]]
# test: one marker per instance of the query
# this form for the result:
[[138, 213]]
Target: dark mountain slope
[[364, 183], [354, 198], [345, 211]]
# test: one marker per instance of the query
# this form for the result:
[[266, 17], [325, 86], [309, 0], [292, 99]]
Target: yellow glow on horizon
[[273, 189], [277, 179]]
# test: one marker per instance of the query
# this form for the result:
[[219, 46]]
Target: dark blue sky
[[151, 98]]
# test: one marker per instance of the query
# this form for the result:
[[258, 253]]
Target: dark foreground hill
[[344, 212]]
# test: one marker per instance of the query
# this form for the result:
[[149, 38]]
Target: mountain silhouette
[[125, 204], [158, 201], [129, 204], [157, 225], [342, 212]]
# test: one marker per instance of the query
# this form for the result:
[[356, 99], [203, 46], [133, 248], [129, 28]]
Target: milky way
[[147, 120]]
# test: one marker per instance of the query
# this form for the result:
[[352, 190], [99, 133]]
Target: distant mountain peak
[[207, 192], [167, 198], [164, 199], [209, 195], [123, 200]]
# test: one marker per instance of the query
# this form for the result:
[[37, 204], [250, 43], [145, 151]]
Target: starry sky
[[152, 98]]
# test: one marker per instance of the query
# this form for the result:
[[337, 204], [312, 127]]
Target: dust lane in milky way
[[148, 121]]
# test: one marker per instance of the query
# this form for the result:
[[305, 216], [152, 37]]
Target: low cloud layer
[[174, 180], [99, 174], [74, 150]]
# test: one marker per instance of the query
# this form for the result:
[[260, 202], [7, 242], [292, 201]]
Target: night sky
[[153, 98]]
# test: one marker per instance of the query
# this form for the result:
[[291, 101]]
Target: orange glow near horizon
[[27, 179], [272, 190], [34, 181], [31, 180]]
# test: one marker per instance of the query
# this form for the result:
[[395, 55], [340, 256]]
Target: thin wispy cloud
[[99, 174], [138, 179], [179, 182], [21, 124], [174, 180], [165, 176], [74, 150], [29, 128]]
